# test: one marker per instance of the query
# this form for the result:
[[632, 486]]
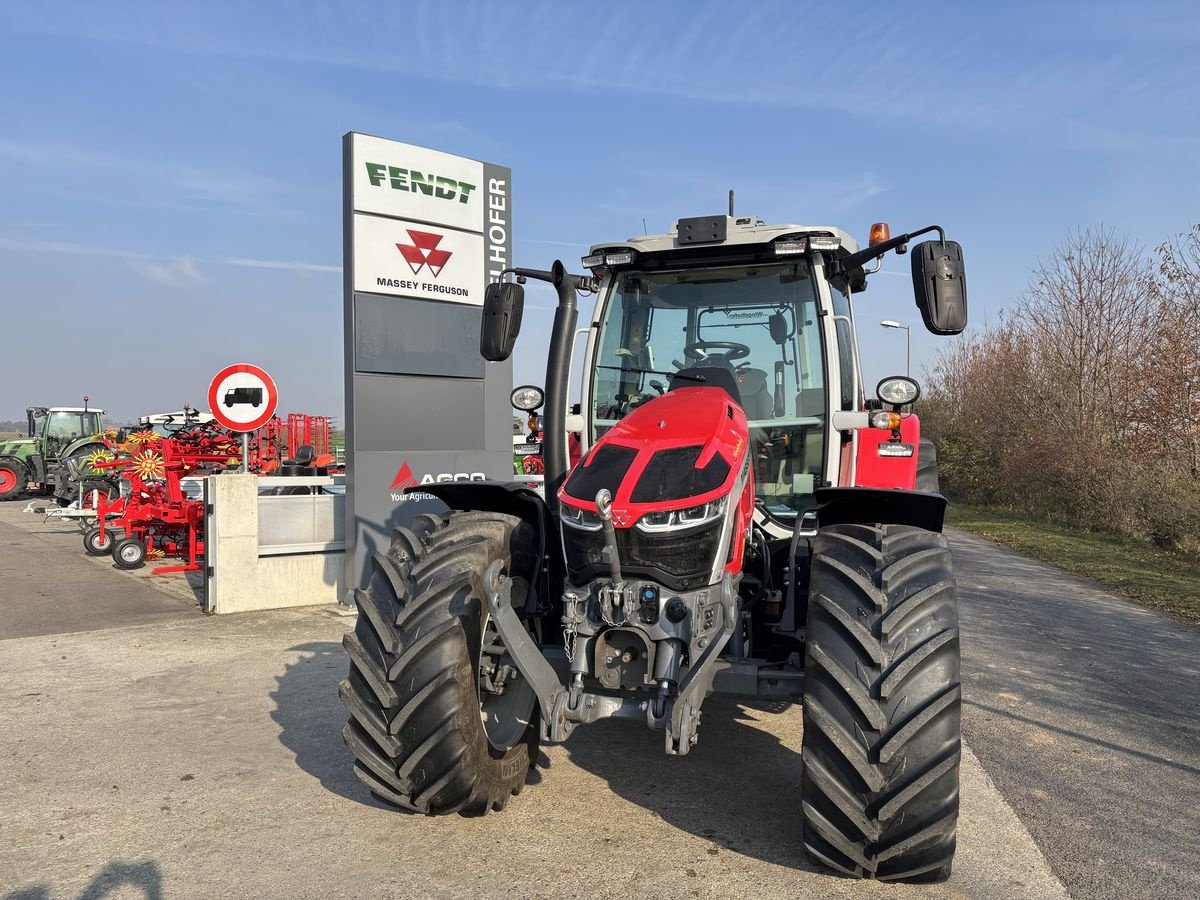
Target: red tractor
[[743, 520]]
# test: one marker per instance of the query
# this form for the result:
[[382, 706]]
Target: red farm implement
[[158, 518]]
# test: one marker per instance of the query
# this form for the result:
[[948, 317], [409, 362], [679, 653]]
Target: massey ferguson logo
[[423, 252], [406, 479]]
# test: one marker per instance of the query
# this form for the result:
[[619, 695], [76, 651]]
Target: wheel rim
[[100, 544], [8, 481], [506, 716], [87, 496], [131, 553]]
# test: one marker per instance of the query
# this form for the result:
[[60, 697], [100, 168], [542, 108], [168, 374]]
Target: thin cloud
[[289, 265], [161, 267], [169, 272], [1047, 96]]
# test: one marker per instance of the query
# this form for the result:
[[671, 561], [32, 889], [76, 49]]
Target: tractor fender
[[81, 444], [880, 506], [517, 499]]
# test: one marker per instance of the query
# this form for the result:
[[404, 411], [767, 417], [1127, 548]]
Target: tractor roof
[[746, 230], [75, 409]]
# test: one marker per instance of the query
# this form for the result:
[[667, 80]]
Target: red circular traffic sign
[[242, 397]]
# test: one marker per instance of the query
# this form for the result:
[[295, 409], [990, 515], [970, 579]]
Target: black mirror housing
[[940, 286], [777, 325], [503, 304]]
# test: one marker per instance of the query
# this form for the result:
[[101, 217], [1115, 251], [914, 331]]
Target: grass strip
[[1132, 568]]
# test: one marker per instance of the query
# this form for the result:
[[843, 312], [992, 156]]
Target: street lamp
[[888, 323]]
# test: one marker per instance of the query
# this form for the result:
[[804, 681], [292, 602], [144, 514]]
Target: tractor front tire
[[13, 479], [129, 553], [881, 742], [425, 733], [94, 545]]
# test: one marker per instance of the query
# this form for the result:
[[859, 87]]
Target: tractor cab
[[762, 327], [57, 427]]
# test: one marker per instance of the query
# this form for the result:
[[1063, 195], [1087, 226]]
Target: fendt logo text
[[406, 479], [423, 252], [419, 182]]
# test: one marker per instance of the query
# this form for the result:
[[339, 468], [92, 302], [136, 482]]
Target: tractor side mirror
[[940, 286], [778, 327], [503, 303]]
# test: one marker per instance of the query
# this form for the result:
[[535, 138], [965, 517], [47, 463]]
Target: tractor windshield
[[761, 322], [61, 428]]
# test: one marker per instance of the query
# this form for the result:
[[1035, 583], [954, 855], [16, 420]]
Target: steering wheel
[[733, 350]]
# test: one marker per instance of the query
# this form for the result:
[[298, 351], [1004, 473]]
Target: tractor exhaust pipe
[[558, 374]]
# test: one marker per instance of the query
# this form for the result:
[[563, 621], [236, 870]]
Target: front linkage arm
[[565, 707]]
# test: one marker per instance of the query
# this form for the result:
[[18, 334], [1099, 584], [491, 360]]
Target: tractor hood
[[12, 446], [683, 449]]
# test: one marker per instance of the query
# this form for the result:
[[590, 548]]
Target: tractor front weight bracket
[[563, 707]]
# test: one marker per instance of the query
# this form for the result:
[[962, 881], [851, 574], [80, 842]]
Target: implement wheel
[[881, 706], [12, 479], [94, 545], [129, 553], [440, 721]]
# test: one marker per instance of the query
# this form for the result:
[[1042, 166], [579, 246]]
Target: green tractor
[[57, 455]]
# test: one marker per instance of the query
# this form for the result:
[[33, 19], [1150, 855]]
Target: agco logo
[[423, 252], [405, 478], [438, 186]]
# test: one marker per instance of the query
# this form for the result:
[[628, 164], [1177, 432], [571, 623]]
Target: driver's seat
[[756, 395]]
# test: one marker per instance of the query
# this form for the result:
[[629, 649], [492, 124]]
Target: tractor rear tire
[[881, 742], [129, 553], [13, 479], [417, 708], [927, 467], [94, 546]]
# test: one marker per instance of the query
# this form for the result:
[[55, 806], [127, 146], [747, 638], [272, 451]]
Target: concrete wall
[[240, 579]]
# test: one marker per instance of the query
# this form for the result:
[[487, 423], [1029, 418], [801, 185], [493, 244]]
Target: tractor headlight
[[527, 397], [609, 258], [582, 519], [898, 390], [669, 520]]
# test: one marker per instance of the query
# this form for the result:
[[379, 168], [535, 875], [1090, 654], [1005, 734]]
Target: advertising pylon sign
[[423, 234]]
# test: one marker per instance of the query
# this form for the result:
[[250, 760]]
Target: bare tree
[[1086, 314], [1171, 373]]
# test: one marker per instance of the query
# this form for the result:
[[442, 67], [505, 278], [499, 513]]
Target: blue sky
[[170, 173]]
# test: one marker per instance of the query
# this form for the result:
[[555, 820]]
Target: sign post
[[423, 234]]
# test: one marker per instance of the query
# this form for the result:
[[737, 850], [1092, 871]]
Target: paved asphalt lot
[[1085, 710], [169, 754]]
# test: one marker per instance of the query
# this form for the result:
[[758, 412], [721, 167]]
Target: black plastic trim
[[878, 506]]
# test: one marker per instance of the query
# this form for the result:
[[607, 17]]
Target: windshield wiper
[[639, 371]]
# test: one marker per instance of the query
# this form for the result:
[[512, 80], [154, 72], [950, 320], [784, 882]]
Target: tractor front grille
[[680, 560]]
